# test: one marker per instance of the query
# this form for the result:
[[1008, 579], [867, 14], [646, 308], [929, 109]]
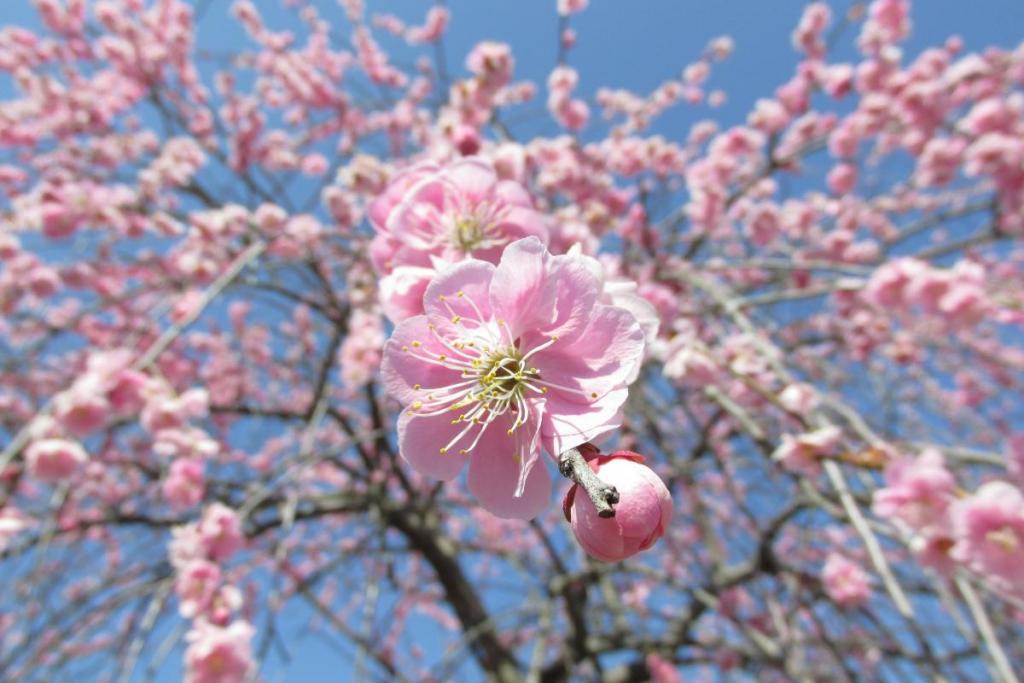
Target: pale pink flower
[[82, 409], [220, 532], [433, 216], [196, 585], [845, 581], [842, 179], [801, 453], [989, 531], [492, 63], [186, 545], [506, 359], [799, 398], [54, 460], [219, 654], [641, 516], [184, 486], [163, 410], [918, 491], [567, 7]]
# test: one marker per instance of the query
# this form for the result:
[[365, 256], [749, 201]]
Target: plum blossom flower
[[196, 585], [220, 532], [54, 460], [801, 453], [432, 216], [219, 654], [989, 531], [185, 484], [918, 491], [845, 581], [507, 359], [641, 515]]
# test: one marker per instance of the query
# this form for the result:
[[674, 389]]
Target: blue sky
[[633, 44]]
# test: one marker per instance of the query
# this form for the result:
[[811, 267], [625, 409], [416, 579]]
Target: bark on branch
[[574, 466]]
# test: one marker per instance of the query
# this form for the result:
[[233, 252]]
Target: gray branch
[[573, 466]]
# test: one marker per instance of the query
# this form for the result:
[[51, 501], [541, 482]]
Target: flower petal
[[567, 424], [495, 470], [460, 290], [472, 178], [420, 440], [536, 292], [402, 369]]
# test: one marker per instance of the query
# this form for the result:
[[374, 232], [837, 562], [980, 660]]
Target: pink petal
[[420, 440], [604, 357], [494, 474], [567, 424], [534, 291], [401, 292], [473, 279], [472, 178], [400, 370]]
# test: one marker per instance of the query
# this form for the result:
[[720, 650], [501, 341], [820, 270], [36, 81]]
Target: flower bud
[[641, 515]]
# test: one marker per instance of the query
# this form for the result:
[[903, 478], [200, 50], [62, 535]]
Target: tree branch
[[604, 496]]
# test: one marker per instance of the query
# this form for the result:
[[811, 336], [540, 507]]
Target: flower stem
[[573, 466]]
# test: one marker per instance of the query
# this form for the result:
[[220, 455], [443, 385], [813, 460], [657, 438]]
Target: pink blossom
[[842, 179], [520, 355], [220, 532], [196, 585], [567, 7], [641, 516], [83, 409], [801, 453], [845, 581], [184, 485], [492, 63], [918, 491], [989, 530], [433, 216], [219, 654], [166, 411], [54, 460], [799, 398]]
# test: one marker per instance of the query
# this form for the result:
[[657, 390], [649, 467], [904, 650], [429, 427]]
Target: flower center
[[496, 378], [468, 233]]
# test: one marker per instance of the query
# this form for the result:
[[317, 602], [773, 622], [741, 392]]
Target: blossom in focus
[[432, 216], [504, 360], [54, 460], [845, 581], [641, 515], [989, 531], [219, 654]]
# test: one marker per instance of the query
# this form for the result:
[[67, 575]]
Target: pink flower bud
[[641, 515]]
